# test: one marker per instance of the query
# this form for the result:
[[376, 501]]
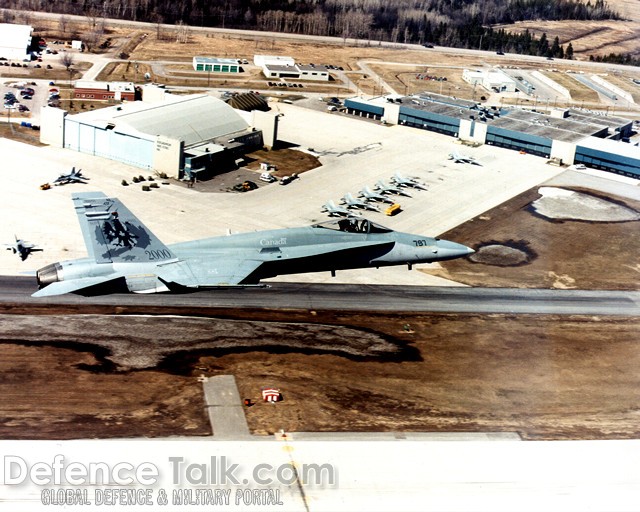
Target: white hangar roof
[[14, 39], [192, 118]]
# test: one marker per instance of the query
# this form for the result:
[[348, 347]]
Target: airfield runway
[[344, 297]]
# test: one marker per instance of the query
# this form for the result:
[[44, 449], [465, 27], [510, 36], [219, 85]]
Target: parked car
[[288, 179], [269, 178]]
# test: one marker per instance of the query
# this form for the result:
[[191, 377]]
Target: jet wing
[[196, 273], [61, 287]]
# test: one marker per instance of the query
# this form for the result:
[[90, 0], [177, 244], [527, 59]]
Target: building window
[[216, 67], [225, 69]]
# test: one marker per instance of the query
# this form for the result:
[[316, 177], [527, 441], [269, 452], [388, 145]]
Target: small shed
[[271, 395]]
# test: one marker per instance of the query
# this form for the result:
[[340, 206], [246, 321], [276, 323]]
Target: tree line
[[455, 23]]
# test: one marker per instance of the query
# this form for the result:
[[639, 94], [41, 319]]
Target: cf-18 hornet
[[351, 202], [463, 159], [72, 177], [22, 248], [403, 181], [390, 189], [333, 210], [126, 255], [369, 195]]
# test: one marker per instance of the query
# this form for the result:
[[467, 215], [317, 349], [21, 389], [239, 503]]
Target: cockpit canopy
[[353, 225]]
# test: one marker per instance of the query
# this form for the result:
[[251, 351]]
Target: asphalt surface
[[348, 297]]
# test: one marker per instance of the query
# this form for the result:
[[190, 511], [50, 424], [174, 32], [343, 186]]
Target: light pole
[[9, 118]]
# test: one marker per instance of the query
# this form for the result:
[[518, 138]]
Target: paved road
[[348, 297]]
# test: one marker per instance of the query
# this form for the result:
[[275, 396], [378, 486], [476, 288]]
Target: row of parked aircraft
[[397, 186]]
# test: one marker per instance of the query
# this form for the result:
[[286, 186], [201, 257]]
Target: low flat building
[[281, 67], [274, 60], [491, 80], [216, 65], [104, 91], [296, 72]]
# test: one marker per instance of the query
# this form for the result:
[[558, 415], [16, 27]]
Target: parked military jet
[[72, 177], [403, 181], [125, 255], [462, 159], [390, 189], [333, 210], [351, 202], [370, 195], [22, 248]]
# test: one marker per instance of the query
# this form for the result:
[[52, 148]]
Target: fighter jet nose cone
[[452, 250]]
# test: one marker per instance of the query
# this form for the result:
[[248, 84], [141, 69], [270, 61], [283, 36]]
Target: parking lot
[[43, 92]]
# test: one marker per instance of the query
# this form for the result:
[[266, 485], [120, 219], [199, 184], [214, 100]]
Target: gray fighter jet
[[369, 195], [125, 255], [411, 182], [72, 177], [351, 202], [463, 159], [22, 248], [333, 210], [391, 189]]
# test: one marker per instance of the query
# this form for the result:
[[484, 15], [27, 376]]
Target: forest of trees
[[455, 23]]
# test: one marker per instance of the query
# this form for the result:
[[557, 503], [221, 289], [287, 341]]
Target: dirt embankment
[[569, 251], [545, 377]]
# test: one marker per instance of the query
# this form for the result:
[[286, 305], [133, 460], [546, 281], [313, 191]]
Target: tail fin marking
[[113, 234]]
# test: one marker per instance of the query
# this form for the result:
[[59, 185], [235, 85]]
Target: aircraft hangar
[[180, 135], [569, 135], [15, 41]]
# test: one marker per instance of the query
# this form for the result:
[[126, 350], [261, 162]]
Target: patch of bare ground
[[625, 83], [20, 133], [50, 393], [569, 253], [545, 377], [224, 46], [57, 73], [410, 79], [579, 92], [586, 37], [628, 9], [535, 376], [286, 161]]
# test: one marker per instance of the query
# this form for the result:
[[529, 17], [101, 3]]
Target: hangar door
[[107, 143]]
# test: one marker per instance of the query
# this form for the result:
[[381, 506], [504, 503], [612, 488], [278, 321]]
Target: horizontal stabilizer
[[73, 285]]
